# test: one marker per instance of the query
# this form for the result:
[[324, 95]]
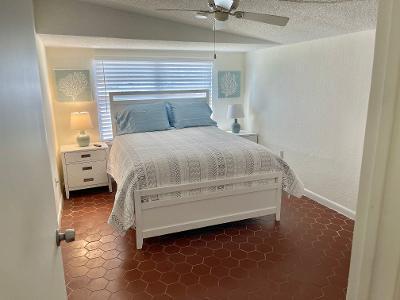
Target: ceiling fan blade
[[320, 1], [178, 9], [265, 18]]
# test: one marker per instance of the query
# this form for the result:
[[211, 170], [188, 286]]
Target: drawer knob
[[85, 155], [87, 168], [88, 179]]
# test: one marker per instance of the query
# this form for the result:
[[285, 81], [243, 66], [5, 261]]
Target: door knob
[[67, 236]]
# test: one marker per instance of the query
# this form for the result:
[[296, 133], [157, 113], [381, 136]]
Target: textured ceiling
[[307, 20]]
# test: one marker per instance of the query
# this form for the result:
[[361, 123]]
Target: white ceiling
[[307, 20]]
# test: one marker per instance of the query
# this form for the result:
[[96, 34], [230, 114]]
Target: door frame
[[375, 261]]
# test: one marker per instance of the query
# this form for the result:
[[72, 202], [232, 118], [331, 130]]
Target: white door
[[30, 261], [375, 260]]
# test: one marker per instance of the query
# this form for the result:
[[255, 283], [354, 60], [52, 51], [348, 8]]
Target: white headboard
[[120, 100]]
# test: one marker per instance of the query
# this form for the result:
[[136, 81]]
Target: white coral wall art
[[228, 84], [73, 85]]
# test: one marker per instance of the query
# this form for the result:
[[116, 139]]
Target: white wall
[[75, 58], [310, 100]]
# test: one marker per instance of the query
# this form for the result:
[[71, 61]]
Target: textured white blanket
[[173, 157]]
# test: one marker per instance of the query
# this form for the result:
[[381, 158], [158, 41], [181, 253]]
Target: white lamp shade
[[235, 111], [81, 121]]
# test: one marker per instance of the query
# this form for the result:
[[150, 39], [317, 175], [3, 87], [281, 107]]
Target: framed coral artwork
[[229, 84], [73, 85]]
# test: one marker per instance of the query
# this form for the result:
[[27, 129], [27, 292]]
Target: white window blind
[[145, 75]]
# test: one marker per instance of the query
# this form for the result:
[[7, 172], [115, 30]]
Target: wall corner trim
[[330, 204], [60, 210]]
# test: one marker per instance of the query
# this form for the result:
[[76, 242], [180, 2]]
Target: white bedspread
[[173, 157]]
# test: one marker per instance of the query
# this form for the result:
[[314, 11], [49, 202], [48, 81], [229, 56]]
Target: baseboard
[[331, 204]]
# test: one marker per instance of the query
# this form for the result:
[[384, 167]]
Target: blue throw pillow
[[189, 114], [142, 118]]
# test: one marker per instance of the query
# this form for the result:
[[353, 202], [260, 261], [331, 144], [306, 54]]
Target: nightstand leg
[[110, 184], [67, 193]]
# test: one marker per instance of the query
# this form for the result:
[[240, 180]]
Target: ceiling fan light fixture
[[222, 9], [226, 4], [221, 16]]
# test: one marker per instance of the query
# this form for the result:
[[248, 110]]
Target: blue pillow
[[171, 114], [142, 118], [190, 114]]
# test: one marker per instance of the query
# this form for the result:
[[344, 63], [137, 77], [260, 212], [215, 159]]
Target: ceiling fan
[[223, 9]]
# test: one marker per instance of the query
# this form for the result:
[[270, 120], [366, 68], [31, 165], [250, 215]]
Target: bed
[[181, 179]]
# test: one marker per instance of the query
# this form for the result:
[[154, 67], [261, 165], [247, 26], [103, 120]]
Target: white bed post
[[138, 221]]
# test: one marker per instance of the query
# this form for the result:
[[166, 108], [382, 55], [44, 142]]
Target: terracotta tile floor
[[306, 256]]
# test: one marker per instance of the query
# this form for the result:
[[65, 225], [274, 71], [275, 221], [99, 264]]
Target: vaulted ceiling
[[307, 20]]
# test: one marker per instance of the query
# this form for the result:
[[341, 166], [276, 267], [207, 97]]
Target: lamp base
[[83, 139], [236, 127]]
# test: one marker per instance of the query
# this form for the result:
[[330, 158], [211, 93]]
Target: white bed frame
[[161, 217]]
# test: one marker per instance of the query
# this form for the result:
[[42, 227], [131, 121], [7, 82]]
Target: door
[[375, 260], [30, 261]]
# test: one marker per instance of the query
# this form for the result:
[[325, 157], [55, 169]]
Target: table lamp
[[81, 121], [235, 111]]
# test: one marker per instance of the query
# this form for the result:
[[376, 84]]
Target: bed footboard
[[171, 215]]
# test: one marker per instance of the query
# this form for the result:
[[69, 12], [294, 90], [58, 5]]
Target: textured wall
[[310, 100], [75, 58]]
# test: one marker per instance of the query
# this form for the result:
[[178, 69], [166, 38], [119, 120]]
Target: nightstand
[[247, 135], [85, 167]]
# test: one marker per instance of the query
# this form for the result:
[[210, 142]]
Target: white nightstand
[[85, 167], [251, 136]]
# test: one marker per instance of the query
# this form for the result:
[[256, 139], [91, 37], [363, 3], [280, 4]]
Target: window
[[145, 75]]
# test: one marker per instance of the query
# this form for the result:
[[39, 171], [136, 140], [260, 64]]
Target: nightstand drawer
[[87, 174], [85, 156]]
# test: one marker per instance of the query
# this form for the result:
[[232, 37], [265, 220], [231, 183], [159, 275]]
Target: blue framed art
[[73, 85], [229, 84]]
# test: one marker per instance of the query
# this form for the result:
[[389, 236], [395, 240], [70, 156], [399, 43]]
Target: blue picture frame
[[229, 83], [73, 85]]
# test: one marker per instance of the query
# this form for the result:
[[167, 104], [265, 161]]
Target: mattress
[[172, 157]]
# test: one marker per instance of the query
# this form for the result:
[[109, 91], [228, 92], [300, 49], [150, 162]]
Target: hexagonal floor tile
[[305, 256]]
